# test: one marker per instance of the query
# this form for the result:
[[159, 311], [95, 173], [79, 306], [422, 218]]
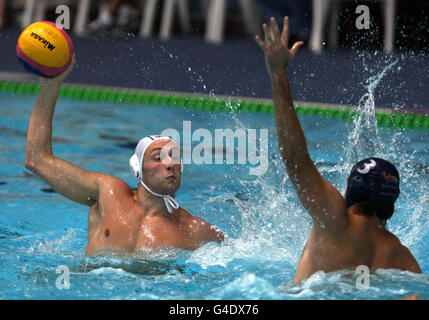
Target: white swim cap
[[136, 166]]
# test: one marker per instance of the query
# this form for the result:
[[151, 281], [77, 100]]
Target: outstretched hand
[[60, 78], [277, 53]]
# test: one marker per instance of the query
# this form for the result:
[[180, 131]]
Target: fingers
[[73, 61], [285, 32], [272, 32], [260, 43], [69, 69], [275, 30], [295, 47], [267, 34], [61, 77]]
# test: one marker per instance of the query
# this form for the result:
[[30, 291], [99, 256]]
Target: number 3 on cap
[[368, 167]]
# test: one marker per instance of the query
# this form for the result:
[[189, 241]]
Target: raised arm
[[64, 177], [322, 200]]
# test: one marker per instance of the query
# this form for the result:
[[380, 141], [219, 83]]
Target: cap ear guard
[[356, 191], [134, 166]]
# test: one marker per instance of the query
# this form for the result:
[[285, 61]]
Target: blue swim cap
[[372, 179]]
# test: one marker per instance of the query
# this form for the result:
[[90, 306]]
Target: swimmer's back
[[361, 243]]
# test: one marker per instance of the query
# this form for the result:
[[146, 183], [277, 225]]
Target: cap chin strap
[[169, 201]]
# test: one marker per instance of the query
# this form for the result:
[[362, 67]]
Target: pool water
[[265, 225]]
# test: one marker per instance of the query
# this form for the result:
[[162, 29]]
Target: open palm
[[275, 46]]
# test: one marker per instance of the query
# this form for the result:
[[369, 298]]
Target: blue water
[[265, 225]]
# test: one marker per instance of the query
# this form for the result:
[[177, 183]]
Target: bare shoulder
[[406, 260], [188, 220], [401, 256], [183, 214], [111, 182], [205, 230]]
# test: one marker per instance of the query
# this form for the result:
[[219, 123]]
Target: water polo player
[[345, 233], [119, 218]]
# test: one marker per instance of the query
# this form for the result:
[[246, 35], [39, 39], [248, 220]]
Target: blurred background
[[207, 46]]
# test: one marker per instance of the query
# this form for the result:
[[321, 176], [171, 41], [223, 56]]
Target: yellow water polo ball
[[44, 49]]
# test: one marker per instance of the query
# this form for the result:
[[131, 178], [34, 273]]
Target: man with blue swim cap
[[346, 232], [120, 219]]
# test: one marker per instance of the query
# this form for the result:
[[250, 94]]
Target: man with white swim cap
[[120, 219], [346, 232]]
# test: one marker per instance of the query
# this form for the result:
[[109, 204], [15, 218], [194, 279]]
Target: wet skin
[[119, 218], [363, 241], [131, 219]]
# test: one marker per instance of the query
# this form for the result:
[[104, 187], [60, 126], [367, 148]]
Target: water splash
[[270, 223], [364, 140], [273, 226]]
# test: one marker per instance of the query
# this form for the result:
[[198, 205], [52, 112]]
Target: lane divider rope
[[128, 96]]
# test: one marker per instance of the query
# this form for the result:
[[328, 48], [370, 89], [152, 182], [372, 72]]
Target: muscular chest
[[155, 232], [131, 230]]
